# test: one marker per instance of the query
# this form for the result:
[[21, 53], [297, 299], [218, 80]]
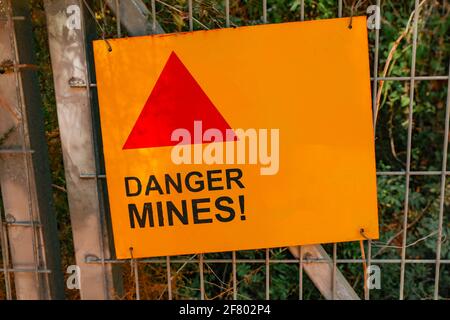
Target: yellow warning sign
[[238, 139]]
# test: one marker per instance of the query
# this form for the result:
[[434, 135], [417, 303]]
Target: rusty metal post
[[30, 220]]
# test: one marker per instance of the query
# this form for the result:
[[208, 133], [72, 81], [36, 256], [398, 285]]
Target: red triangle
[[176, 101]]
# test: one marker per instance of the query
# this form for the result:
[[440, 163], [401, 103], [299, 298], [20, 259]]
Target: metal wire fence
[[230, 275], [24, 269], [407, 173]]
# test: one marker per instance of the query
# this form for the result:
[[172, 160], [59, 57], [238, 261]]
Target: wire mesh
[[8, 224], [263, 260]]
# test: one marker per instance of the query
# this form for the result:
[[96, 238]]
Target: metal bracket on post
[[8, 66], [77, 83]]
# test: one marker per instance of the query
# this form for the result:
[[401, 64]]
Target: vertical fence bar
[[333, 284], [118, 27], [233, 254], [134, 269], [264, 11], [374, 115], [300, 253], [408, 149], [300, 273], [369, 261], [234, 274], [364, 265], [169, 278], [227, 13], [67, 44], [333, 277], [103, 13], [442, 193], [153, 4], [137, 286], [375, 76], [202, 277], [302, 10], [190, 16]]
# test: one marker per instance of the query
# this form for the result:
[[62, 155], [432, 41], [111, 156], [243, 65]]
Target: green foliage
[[428, 107]]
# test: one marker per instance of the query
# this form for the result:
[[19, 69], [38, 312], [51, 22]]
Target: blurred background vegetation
[[395, 53]]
